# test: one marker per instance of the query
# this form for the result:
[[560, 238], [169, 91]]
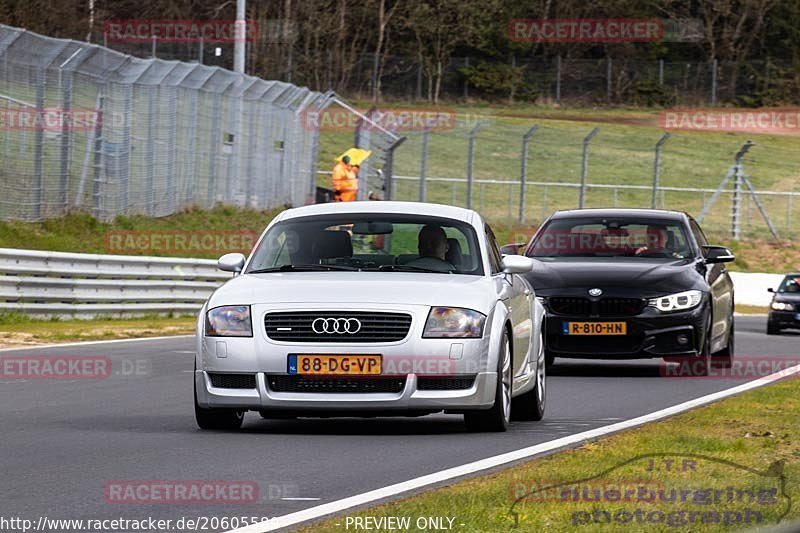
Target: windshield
[[611, 237], [790, 284], [391, 243]]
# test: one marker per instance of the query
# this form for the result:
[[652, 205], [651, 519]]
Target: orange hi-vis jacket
[[345, 182]]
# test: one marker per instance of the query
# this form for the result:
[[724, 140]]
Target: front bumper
[[409, 359], [479, 396], [649, 334], [784, 319]]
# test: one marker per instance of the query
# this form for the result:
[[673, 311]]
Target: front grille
[[605, 307], [620, 306], [233, 381], [445, 383], [290, 383], [375, 327], [570, 306]]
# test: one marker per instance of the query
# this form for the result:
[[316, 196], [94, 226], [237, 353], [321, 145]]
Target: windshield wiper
[[411, 268], [300, 268]]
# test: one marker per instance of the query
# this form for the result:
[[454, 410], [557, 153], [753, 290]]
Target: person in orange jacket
[[345, 181]]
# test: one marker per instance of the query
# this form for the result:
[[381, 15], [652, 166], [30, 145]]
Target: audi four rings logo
[[336, 325]]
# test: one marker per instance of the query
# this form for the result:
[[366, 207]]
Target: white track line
[[87, 343], [390, 491]]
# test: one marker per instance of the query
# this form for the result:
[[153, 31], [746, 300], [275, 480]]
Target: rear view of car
[[784, 310]]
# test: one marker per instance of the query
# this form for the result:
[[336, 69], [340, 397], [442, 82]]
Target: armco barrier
[[86, 285]]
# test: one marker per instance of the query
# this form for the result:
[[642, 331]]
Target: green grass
[[748, 442], [83, 233], [18, 330]]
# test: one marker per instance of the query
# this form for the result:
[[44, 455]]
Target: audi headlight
[[680, 301], [453, 322], [229, 321], [782, 306]]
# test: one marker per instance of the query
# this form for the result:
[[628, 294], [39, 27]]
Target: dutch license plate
[[594, 328], [335, 365]]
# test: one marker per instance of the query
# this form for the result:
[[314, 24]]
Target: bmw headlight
[[454, 322], [680, 301], [782, 306], [229, 321]]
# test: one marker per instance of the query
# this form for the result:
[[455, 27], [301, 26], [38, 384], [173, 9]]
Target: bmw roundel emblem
[[595, 292]]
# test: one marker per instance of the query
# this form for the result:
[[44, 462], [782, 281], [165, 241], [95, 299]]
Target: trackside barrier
[[87, 285]]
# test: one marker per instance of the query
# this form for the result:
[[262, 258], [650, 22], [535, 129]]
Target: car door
[[516, 293], [721, 287]]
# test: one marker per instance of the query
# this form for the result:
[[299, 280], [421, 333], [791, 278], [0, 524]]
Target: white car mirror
[[516, 264], [231, 262]]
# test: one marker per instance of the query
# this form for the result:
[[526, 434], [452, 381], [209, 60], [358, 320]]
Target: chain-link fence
[[522, 173], [87, 128]]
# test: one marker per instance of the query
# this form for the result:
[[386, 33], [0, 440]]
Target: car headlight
[[782, 306], [229, 321], [453, 322], [680, 301]]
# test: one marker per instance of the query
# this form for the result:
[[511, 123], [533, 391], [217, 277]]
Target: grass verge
[[18, 330], [737, 458]]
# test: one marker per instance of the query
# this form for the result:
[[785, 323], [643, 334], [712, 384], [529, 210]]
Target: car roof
[[628, 212], [417, 208]]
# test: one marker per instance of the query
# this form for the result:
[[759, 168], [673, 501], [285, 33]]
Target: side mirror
[[770, 290], [516, 264], [231, 263], [512, 249], [717, 254]]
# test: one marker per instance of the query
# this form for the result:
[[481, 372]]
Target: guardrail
[[87, 285]]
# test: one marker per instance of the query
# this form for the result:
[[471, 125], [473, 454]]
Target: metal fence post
[[737, 190], [657, 169], [38, 144], [714, 65], [98, 160], [471, 161], [585, 166], [558, 78], [524, 171], [388, 170], [66, 133], [608, 78], [660, 72], [423, 165]]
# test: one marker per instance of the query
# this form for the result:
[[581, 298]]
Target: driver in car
[[656, 243], [432, 245]]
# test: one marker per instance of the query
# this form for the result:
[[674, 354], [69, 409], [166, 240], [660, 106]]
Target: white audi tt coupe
[[372, 309]]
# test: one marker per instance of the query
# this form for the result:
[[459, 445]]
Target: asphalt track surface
[[63, 441]]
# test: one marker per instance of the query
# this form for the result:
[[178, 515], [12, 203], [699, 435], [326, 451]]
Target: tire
[[549, 360], [772, 329], [497, 417], [724, 357], [530, 406], [216, 419]]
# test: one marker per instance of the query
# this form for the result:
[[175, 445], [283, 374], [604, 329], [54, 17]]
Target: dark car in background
[[632, 283], [784, 310]]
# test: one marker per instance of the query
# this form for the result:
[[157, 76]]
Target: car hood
[[329, 288], [641, 277], [790, 297]]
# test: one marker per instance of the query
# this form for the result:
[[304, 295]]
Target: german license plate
[[335, 365], [594, 328]]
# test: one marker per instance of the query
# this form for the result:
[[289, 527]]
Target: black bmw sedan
[[632, 283], [784, 310]]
